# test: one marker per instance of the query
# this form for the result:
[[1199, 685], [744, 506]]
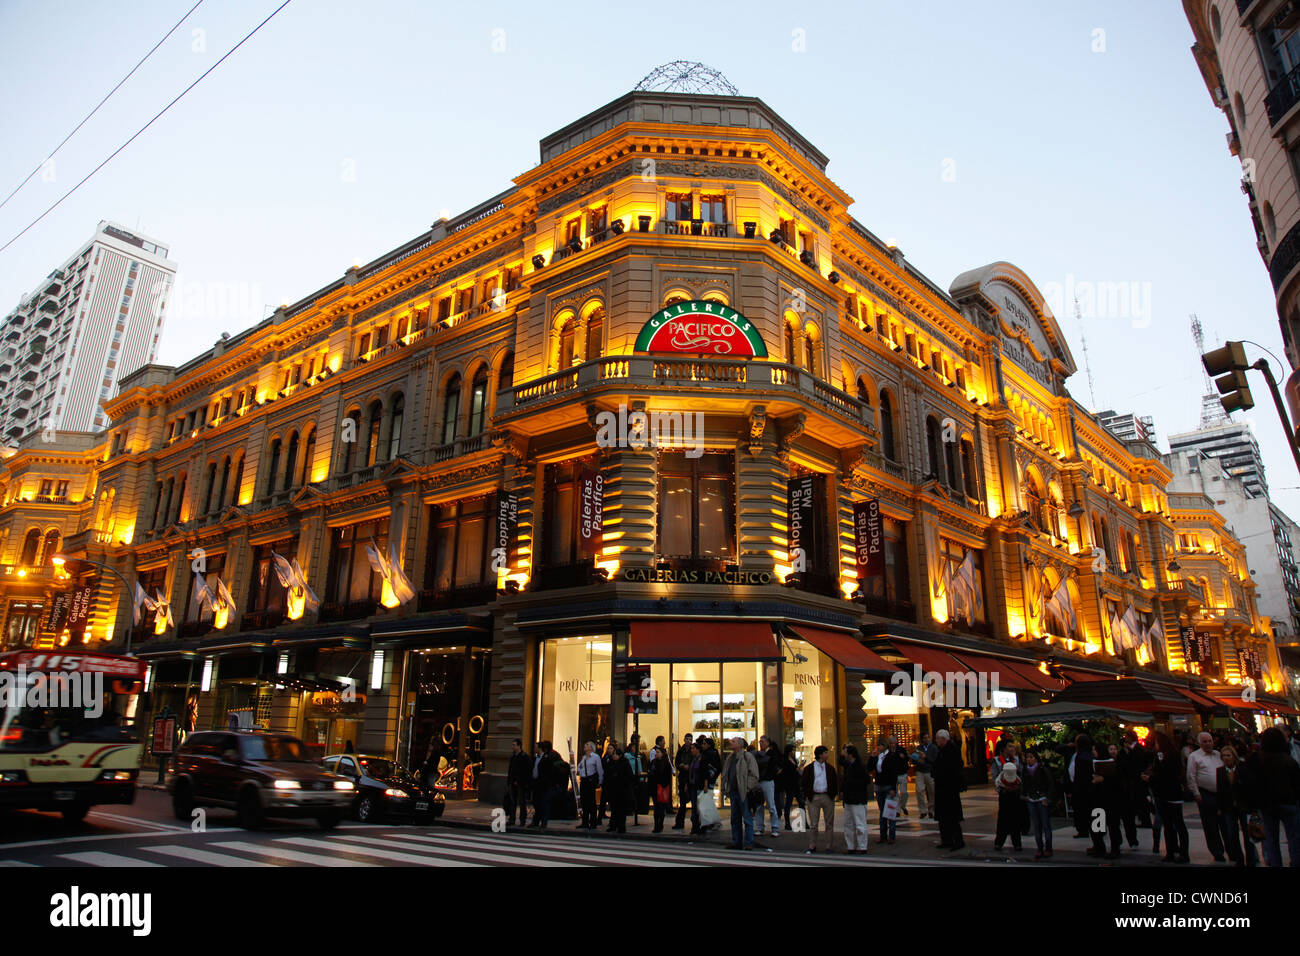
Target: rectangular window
[[697, 513], [460, 557], [596, 223], [559, 513], [215, 565], [894, 586], [266, 593], [965, 591], [351, 579], [678, 207], [444, 308], [713, 208], [573, 230], [514, 275]]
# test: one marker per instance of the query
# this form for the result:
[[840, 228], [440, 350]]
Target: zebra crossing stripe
[[98, 858], [204, 856], [389, 855], [587, 856], [495, 857], [295, 856]]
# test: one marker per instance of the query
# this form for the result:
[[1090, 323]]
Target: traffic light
[[1228, 367]]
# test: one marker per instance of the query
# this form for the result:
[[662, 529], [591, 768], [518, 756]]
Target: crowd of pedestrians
[[1246, 790]]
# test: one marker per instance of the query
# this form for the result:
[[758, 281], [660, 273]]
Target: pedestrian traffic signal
[[1228, 367]]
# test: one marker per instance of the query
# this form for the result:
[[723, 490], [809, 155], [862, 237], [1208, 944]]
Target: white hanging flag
[[397, 587], [299, 594], [141, 600], [163, 619]]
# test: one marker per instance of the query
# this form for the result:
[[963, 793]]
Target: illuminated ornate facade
[[676, 307]]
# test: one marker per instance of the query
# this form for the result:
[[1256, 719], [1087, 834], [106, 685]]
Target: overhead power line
[[87, 117], [134, 136]]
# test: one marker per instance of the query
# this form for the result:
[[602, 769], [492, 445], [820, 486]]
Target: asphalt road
[[145, 834]]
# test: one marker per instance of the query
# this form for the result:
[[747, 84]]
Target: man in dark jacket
[[1137, 759], [949, 781], [682, 762], [857, 792], [519, 776], [820, 784]]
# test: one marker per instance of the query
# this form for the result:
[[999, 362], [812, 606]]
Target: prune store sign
[[701, 328]]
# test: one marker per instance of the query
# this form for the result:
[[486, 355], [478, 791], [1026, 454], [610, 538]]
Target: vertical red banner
[[591, 511], [869, 538]]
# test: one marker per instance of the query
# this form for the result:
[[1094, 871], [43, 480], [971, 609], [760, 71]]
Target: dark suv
[[258, 775]]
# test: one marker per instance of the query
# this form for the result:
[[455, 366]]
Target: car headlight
[[287, 785], [344, 785], [117, 775], [13, 776], [394, 792]]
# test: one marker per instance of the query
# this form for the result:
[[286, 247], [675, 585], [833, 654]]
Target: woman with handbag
[[661, 785]]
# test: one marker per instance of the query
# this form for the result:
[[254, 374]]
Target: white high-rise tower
[[93, 319]]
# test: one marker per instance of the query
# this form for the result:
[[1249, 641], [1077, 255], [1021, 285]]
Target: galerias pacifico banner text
[[869, 538], [591, 508]]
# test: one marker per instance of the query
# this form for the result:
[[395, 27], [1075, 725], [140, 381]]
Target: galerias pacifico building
[[585, 420]]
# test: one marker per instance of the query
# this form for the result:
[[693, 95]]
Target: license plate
[[422, 804], [65, 795]]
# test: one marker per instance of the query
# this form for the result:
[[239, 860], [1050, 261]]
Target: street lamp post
[[61, 559]]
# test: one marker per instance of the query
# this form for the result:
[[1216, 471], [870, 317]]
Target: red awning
[[655, 642], [1073, 674], [1008, 679], [1200, 701], [1030, 672], [845, 649], [1234, 702], [930, 658], [1147, 706]]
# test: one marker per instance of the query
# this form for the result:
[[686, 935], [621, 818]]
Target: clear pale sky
[[966, 131]]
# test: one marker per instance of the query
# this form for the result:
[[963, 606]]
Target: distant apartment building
[[1267, 533], [1128, 427], [96, 317], [1232, 445], [1248, 53]]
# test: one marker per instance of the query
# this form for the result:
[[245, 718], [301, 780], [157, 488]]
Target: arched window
[[506, 377], [308, 456], [478, 401], [157, 503], [273, 465], [51, 546], [950, 458], [164, 513], [1270, 223], [595, 335], [810, 354], [225, 483], [239, 482], [373, 422], [1216, 23], [566, 355], [932, 447], [969, 470], [179, 505], [1239, 105], [31, 547], [450, 409], [211, 487], [864, 391], [290, 461], [887, 446], [396, 418], [790, 355], [349, 460], [1035, 499]]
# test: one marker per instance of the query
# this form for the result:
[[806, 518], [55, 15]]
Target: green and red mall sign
[[700, 327]]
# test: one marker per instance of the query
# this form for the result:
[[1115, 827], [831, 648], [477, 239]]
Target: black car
[[384, 790], [258, 775]]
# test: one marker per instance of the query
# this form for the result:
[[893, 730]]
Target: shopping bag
[[891, 809], [709, 815]]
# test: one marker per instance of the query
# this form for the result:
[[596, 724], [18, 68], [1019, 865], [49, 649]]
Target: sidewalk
[[916, 838]]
